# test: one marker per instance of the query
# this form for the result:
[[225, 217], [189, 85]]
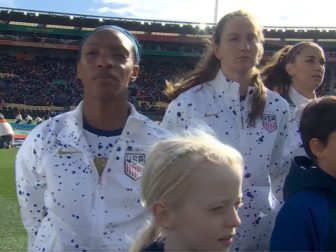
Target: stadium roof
[[87, 22]]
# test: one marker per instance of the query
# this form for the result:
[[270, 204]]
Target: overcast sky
[[306, 13]]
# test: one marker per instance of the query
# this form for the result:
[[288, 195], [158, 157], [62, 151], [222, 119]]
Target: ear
[[162, 215], [316, 147], [289, 69], [216, 51], [135, 72]]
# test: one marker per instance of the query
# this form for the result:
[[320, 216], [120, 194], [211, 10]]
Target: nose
[[104, 60], [233, 219], [245, 45]]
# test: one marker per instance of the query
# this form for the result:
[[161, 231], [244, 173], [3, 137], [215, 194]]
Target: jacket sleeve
[[294, 229], [30, 186], [281, 156]]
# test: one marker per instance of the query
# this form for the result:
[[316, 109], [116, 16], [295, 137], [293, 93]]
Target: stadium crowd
[[106, 143], [52, 81]]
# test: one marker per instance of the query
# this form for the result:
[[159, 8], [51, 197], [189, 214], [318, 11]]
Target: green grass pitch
[[13, 237]]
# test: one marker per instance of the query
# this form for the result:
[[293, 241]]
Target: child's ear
[[316, 147], [163, 216]]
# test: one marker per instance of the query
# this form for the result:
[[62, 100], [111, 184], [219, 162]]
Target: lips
[[104, 76], [227, 238], [244, 58]]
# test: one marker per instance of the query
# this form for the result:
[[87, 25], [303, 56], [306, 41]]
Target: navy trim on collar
[[99, 132]]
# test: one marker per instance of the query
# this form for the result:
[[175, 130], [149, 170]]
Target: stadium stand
[[38, 52]]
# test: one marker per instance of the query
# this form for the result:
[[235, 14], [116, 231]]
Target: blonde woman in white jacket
[[226, 92], [77, 174]]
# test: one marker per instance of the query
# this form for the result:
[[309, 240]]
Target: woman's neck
[[106, 116], [243, 79], [309, 94]]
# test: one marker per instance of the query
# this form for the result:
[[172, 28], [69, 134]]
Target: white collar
[[297, 98], [222, 84]]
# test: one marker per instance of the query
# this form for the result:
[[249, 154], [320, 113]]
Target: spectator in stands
[[307, 221], [192, 186], [18, 117], [296, 72], [78, 173], [6, 133], [226, 92], [29, 119], [38, 120]]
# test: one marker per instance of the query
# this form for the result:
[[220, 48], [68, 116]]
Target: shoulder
[[309, 205], [194, 93], [45, 131], [277, 105], [311, 198], [275, 99], [146, 127]]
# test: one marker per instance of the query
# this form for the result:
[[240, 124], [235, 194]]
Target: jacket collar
[[73, 132], [223, 85], [297, 99]]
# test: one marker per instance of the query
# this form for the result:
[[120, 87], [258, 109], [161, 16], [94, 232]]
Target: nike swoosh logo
[[210, 114], [62, 152]]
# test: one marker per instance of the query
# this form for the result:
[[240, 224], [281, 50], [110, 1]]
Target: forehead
[[312, 50], [239, 25], [110, 38], [216, 182]]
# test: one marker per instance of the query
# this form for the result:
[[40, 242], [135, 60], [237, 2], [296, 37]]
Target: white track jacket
[[65, 204], [217, 103]]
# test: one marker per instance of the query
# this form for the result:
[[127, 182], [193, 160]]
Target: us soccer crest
[[134, 162], [269, 122]]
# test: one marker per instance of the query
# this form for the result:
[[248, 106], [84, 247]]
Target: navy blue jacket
[[156, 246], [307, 221]]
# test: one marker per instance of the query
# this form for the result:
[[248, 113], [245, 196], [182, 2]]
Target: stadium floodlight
[[181, 25], [37, 14], [71, 17], [142, 22], [163, 23], [25, 13], [101, 19]]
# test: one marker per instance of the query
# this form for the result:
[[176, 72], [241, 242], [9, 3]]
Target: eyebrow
[[238, 34]]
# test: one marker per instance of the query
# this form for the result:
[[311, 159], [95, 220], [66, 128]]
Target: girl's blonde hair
[[167, 173], [208, 67]]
